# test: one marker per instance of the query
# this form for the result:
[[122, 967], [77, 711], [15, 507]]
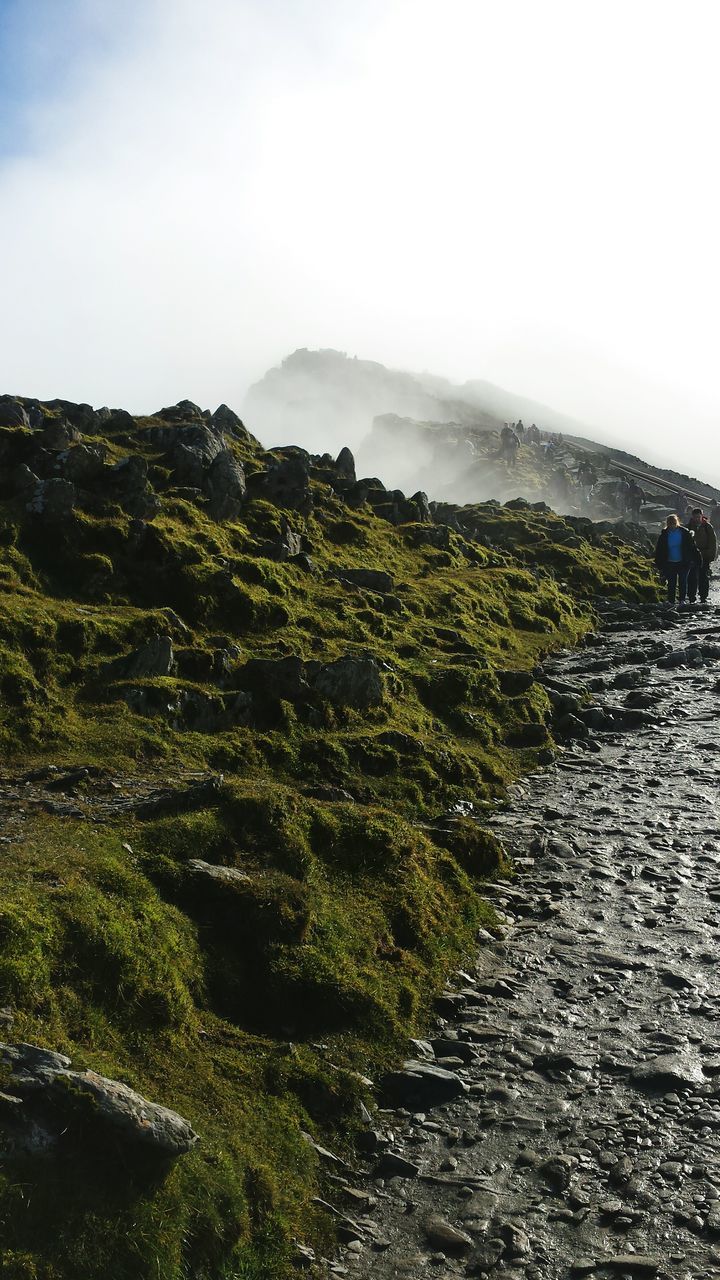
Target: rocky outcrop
[[53, 501], [12, 413], [351, 682], [372, 579], [183, 411], [225, 420], [127, 484], [284, 546], [345, 465], [286, 482], [45, 1102], [224, 484], [156, 658], [83, 463]]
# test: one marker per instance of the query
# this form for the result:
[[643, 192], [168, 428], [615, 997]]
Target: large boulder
[[352, 682], [52, 501], [286, 483], [372, 579], [83, 463], [286, 544], [23, 481], [82, 417], [345, 464], [127, 483], [224, 483], [57, 435], [421, 1085], [45, 1101], [225, 420], [422, 506], [156, 658], [277, 678], [192, 450], [183, 411]]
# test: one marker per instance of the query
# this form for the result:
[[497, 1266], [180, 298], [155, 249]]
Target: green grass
[[255, 1010]]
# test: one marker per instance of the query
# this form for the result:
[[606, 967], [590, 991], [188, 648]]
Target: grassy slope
[[253, 1016]]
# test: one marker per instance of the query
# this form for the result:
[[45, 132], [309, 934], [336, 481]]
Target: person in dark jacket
[[635, 499], [675, 554], [706, 543]]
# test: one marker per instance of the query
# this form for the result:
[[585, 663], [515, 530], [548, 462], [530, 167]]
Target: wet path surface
[[584, 1134]]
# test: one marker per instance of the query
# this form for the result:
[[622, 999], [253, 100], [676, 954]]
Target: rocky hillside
[[316, 391], [421, 431], [252, 708]]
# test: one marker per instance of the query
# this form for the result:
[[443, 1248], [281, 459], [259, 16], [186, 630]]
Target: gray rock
[[423, 1085], [156, 658], [345, 464], [229, 876], [668, 1071], [57, 435], [286, 483], [352, 682], [517, 1241], [571, 726], [183, 411], [12, 413], [284, 546], [635, 1264], [373, 579], [53, 501], [393, 1165], [51, 1094], [225, 420], [83, 463], [513, 683], [712, 1222], [422, 512], [190, 450], [127, 484], [451, 1240], [558, 1171], [224, 483], [23, 480]]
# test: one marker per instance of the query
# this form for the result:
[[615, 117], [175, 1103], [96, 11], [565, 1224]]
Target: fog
[[521, 193]]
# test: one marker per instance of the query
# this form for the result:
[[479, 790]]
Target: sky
[[523, 192]]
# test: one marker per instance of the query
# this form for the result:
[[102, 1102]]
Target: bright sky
[[524, 191]]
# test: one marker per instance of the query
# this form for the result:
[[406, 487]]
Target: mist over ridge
[[422, 431]]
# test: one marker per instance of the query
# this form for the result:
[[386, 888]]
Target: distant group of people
[[684, 555], [513, 435]]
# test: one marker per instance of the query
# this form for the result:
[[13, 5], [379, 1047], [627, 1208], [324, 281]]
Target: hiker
[[706, 543], [675, 553], [519, 429], [509, 445], [586, 478], [532, 435], [635, 498]]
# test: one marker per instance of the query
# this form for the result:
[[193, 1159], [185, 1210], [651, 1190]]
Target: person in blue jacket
[[675, 555]]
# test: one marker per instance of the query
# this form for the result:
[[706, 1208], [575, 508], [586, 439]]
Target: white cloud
[[520, 192]]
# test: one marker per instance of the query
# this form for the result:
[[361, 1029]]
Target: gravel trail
[[580, 1058]]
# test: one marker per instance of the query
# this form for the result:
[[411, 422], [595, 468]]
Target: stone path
[[582, 1053]]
